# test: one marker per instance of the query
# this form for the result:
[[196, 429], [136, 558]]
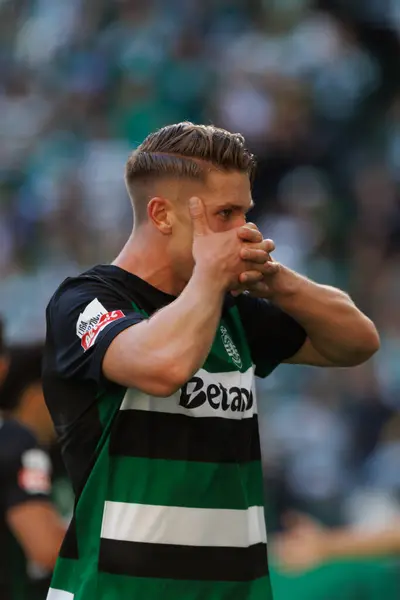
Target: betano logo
[[195, 393], [230, 347]]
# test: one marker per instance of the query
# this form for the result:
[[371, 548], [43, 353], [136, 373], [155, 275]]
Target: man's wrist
[[286, 285], [207, 280]]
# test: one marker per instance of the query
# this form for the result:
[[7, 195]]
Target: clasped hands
[[259, 268]]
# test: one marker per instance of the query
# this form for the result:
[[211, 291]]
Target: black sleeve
[[25, 469], [83, 318], [273, 336]]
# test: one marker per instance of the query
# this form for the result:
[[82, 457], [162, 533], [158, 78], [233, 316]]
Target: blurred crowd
[[314, 87]]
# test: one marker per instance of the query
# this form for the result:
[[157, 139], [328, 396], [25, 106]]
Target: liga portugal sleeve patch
[[34, 477], [94, 319]]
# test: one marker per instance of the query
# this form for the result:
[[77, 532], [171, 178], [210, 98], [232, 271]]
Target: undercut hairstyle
[[182, 151]]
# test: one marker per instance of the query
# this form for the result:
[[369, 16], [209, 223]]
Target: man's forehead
[[233, 185]]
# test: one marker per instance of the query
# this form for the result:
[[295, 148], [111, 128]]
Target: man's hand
[[302, 546], [230, 257], [263, 287]]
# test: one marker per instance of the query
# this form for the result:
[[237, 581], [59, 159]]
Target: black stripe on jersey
[[148, 434], [69, 547], [167, 561]]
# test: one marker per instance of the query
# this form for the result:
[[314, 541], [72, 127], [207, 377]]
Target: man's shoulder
[[102, 284], [98, 274]]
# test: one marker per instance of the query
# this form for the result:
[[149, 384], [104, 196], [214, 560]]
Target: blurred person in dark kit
[[31, 531]]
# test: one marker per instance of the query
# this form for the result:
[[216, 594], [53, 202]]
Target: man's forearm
[[338, 330], [349, 543], [191, 321], [160, 354]]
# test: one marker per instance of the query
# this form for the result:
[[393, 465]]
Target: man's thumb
[[198, 214]]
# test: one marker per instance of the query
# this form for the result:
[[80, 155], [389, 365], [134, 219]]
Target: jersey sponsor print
[[196, 392]]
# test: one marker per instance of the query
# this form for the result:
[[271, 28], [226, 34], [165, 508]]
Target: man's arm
[[160, 354], [338, 333], [307, 544], [39, 530], [26, 488], [349, 543]]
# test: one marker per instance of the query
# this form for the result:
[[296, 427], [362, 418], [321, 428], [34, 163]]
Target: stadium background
[[314, 87]]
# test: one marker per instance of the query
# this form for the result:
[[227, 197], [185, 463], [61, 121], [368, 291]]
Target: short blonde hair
[[172, 152]]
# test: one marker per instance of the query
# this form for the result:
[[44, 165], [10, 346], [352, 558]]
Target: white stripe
[[54, 594], [183, 526], [136, 400]]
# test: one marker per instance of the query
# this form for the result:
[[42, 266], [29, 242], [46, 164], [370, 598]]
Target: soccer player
[[149, 377], [30, 527]]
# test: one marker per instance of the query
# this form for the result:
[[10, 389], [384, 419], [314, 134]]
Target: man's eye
[[226, 213]]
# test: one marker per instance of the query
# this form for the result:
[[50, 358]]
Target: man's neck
[[148, 261]]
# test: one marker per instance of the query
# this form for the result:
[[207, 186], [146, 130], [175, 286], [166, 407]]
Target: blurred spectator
[[31, 531]]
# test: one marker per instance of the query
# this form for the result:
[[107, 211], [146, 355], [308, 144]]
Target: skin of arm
[[350, 543], [167, 360], [39, 530], [307, 543], [338, 333]]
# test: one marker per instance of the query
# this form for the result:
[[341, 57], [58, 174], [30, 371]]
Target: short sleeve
[[83, 318], [25, 471], [273, 336]]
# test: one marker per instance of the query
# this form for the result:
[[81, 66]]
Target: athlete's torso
[[169, 490]]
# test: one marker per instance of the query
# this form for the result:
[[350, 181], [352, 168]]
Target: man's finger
[[251, 225], [199, 218], [250, 277], [271, 268], [256, 255], [267, 268], [248, 234], [268, 245]]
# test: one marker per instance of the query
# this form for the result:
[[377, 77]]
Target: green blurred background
[[314, 87]]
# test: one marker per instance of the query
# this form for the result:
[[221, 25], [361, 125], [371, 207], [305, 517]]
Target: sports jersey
[[169, 499], [24, 477]]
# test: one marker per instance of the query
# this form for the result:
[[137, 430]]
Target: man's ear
[[159, 211]]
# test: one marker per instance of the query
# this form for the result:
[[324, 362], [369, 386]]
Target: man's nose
[[241, 220]]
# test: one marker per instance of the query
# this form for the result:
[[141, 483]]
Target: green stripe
[[179, 483], [89, 515], [65, 575], [115, 587], [218, 360], [108, 405]]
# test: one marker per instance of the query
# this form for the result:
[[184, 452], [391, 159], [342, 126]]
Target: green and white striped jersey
[[169, 495]]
